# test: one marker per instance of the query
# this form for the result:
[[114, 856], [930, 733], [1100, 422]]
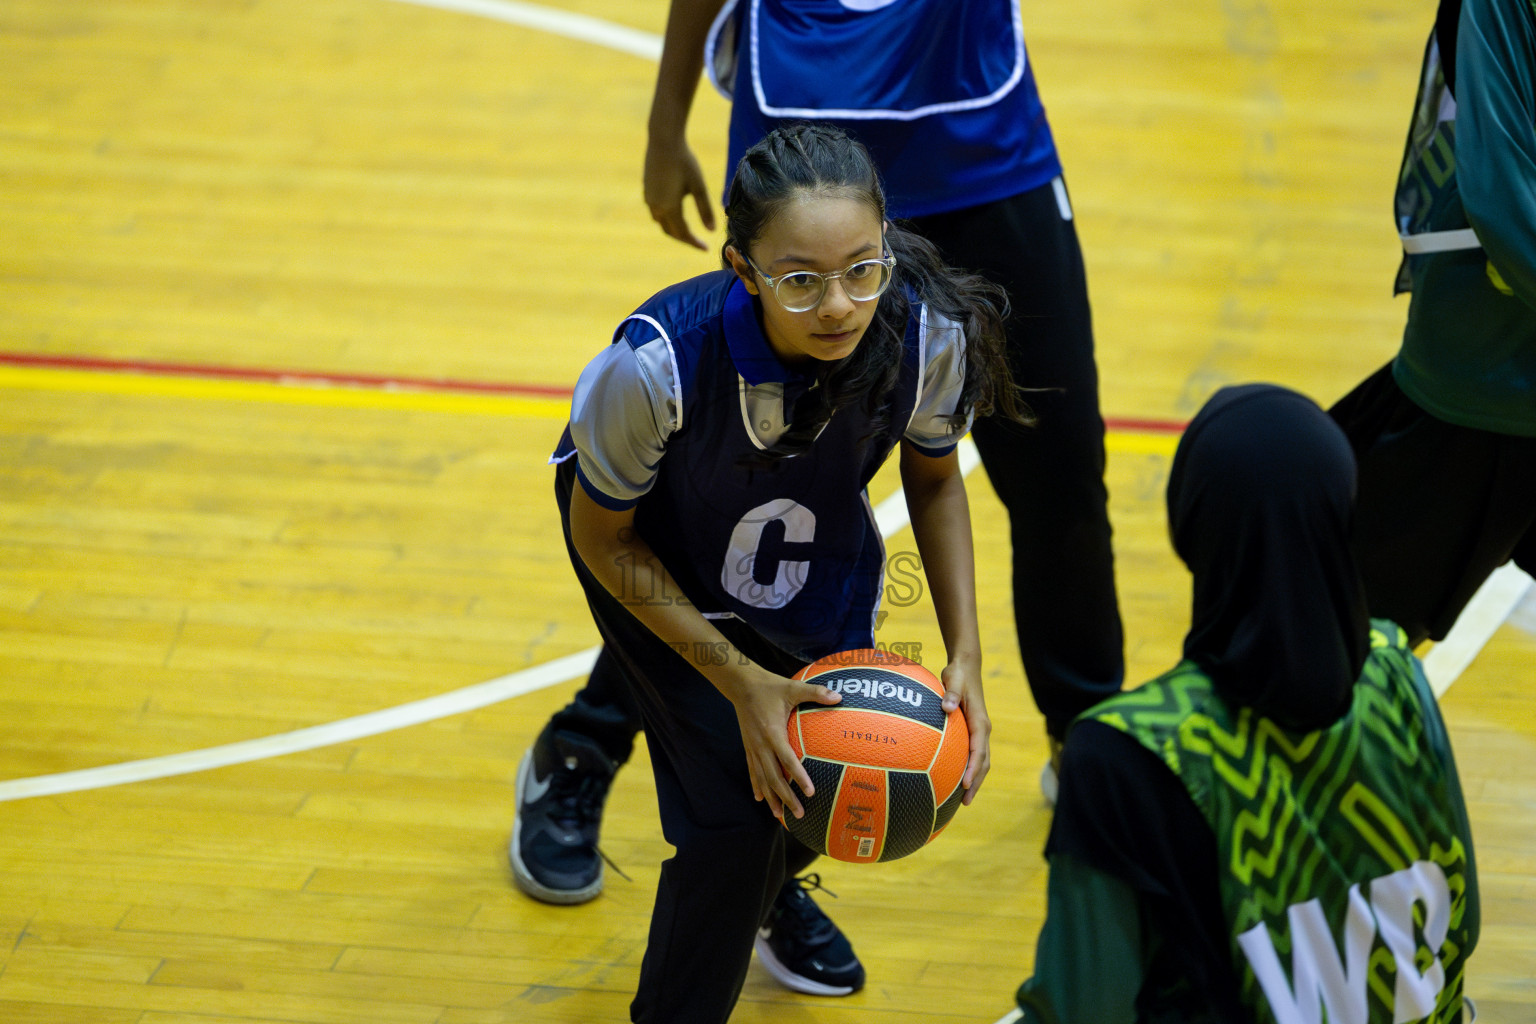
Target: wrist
[[668, 120], [733, 675], [965, 656]]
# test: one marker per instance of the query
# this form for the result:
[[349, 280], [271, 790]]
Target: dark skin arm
[[672, 172]]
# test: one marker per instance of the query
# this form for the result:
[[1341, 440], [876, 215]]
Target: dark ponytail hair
[[820, 159]]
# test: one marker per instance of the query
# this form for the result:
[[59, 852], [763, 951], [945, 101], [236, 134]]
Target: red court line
[[1137, 425], [289, 377], [309, 378]]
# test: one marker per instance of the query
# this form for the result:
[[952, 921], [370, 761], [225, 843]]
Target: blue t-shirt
[[940, 91], [666, 421]]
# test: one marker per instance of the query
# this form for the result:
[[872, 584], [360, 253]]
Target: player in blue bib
[[943, 95], [712, 488]]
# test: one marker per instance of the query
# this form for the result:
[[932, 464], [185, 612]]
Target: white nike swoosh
[[535, 788]]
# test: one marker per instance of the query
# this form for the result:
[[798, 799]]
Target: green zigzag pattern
[[1268, 793]]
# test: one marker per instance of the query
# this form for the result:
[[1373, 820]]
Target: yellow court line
[[1119, 442], [297, 393]]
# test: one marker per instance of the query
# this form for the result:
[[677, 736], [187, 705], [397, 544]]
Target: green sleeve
[[1496, 134], [1090, 959]]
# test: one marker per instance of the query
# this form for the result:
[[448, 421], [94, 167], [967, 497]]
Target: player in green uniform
[[1445, 435], [1274, 828]]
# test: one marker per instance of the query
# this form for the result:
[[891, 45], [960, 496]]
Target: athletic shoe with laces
[[803, 949], [561, 786]]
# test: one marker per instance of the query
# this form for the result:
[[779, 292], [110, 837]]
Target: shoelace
[[812, 928], [579, 798], [812, 881]]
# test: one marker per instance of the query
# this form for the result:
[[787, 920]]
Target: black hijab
[[1260, 499]]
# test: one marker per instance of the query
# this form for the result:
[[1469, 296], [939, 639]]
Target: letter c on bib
[[760, 573]]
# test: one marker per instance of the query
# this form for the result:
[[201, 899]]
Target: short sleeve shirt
[[671, 420]]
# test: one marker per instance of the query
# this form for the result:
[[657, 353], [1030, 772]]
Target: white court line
[[1481, 618], [374, 722], [580, 27], [890, 514]]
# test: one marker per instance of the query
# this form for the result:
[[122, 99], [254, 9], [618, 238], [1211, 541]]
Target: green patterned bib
[[1344, 872]]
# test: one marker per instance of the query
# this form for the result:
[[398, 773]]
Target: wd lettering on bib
[[1324, 979], [1347, 867]]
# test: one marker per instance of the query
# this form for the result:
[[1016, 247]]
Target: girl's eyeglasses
[[800, 290]]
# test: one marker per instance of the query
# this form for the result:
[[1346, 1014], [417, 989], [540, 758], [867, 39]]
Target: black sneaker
[[803, 949], [561, 786]]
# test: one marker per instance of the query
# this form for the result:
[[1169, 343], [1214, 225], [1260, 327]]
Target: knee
[[739, 844]]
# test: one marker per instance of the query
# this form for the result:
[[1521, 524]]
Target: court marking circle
[[1487, 611]]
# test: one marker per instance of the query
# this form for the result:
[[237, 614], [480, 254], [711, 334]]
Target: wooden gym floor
[[250, 589]]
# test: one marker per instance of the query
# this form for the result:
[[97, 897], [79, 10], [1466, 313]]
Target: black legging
[[1439, 506], [732, 855], [1050, 476]]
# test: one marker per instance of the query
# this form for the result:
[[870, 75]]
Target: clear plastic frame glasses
[[801, 290]]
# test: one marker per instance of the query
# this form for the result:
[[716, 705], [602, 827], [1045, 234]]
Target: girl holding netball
[[712, 488]]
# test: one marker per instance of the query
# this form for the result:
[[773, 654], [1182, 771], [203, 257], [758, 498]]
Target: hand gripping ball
[[886, 761]]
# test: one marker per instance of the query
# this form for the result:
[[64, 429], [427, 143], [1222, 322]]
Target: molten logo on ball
[[886, 761], [875, 689]]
